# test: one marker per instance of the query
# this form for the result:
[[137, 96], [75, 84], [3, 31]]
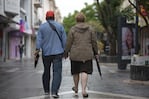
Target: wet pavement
[[19, 80]]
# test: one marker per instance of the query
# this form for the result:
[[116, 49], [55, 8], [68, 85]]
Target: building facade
[[19, 21], [9, 22]]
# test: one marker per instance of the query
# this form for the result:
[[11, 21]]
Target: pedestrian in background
[[21, 48], [81, 46], [52, 48]]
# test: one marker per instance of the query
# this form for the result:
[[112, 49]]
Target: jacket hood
[[81, 27]]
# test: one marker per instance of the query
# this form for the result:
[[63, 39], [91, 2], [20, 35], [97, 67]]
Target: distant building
[[9, 27], [19, 21], [50, 5]]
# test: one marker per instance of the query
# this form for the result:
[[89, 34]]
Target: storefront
[[14, 40], [8, 11]]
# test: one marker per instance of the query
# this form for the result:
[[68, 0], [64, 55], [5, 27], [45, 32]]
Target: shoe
[[85, 95], [75, 90], [46, 93], [55, 96]]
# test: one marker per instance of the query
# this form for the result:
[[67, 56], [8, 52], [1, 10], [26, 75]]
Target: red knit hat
[[49, 14]]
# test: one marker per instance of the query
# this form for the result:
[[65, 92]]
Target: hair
[[50, 18], [130, 29], [80, 17]]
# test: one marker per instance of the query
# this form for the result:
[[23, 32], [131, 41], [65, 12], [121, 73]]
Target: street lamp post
[[136, 27]]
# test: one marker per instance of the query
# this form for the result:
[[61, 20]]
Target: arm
[[38, 43], [68, 44], [94, 43], [64, 37], [38, 40]]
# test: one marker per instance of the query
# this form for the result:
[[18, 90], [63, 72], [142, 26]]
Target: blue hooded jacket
[[48, 41]]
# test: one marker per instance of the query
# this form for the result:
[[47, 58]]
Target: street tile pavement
[[116, 84]]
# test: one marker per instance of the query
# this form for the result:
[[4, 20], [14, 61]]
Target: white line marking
[[89, 91], [112, 71], [39, 71], [119, 95], [12, 70]]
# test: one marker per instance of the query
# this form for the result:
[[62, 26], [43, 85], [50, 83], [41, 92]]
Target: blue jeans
[[56, 62]]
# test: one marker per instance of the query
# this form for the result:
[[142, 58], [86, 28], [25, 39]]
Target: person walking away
[[81, 46], [52, 46], [21, 48]]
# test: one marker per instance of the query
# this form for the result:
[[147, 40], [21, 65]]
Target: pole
[[136, 28]]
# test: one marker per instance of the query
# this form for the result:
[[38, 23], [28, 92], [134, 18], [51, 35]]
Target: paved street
[[19, 80]]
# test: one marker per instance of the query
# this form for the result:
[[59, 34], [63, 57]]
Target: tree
[[69, 21], [89, 11], [108, 13]]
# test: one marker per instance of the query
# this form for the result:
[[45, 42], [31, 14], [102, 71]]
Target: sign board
[[128, 41]]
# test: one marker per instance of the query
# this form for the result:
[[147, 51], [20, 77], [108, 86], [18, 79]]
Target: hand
[[97, 57], [65, 55], [36, 54]]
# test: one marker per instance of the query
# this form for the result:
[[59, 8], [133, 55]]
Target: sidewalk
[[22, 81]]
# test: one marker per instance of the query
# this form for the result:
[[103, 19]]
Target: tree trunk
[[112, 47]]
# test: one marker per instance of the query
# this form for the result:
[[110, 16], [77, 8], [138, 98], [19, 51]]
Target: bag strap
[[54, 28]]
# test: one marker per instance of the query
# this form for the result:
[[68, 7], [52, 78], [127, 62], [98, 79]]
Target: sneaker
[[46, 93], [55, 96]]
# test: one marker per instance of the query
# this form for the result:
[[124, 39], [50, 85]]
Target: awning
[[4, 20]]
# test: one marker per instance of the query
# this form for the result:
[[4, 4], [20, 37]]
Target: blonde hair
[[80, 17]]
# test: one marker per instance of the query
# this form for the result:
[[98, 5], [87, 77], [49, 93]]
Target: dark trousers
[[21, 54], [56, 62]]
